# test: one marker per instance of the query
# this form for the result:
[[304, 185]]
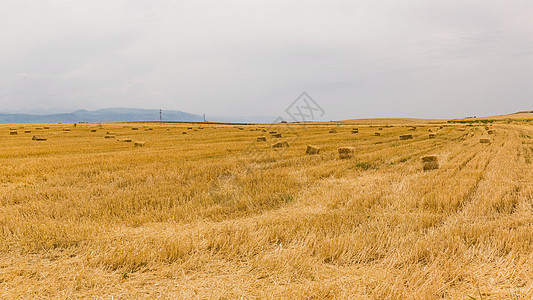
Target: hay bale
[[189, 128], [109, 136], [27, 131], [167, 129], [406, 137], [263, 130], [13, 129], [93, 130], [491, 132], [346, 152], [380, 128], [484, 141], [38, 138], [277, 135], [283, 144], [333, 131], [355, 130], [432, 135], [109, 132], [125, 140], [13, 133], [66, 129], [38, 128], [377, 134], [273, 132], [412, 128], [134, 128], [311, 150], [430, 162], [261, 139], [138, 144], [240, 128], [184, 132]]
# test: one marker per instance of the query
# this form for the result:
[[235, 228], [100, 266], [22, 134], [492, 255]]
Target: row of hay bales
[[111, 135]]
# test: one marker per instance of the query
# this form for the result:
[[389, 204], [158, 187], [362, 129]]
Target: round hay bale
[[377, 134], [125, 140], [380, 128], [346, 152], [432, 135], [138, 144], [333, 131], [312, 150], [184, 132], [283, 144], [13, 133], [484, 141], [27, 131], [66, 129], [277, 135], [38, 128], [406, 137], [134, 128], [491, 132], [430, 162], [38, 138], [13, 129], [109, 136], [355, 130], [261, 139], [93, 130]]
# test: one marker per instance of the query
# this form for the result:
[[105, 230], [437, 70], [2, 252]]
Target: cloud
[[359, 59]]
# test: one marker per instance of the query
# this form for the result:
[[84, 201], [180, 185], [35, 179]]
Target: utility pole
[[160, 118], [204, 118]]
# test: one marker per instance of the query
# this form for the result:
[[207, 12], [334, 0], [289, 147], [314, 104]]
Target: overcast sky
[[364, 58]]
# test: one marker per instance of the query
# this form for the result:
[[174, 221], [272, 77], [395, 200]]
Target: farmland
[[208, 211]]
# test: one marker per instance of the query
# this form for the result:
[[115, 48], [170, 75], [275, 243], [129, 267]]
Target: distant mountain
[[100, 115]]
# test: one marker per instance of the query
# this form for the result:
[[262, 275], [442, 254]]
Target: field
[[213, 213]]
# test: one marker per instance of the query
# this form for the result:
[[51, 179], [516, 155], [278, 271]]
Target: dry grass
[[196, 216]]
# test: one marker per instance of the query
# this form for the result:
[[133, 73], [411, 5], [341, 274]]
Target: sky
[[356, 59]]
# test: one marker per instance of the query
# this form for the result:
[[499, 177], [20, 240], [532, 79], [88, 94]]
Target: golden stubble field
[[214, 214]]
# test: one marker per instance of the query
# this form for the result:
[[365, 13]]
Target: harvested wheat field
[[214, 214]]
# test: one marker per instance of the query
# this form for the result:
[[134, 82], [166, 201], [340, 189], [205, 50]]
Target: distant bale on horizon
[[346, 152], [312, 150], [39, 138], [283, 144], [430, 162]]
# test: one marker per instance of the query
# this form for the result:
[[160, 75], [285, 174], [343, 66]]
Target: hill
[[100, 116]]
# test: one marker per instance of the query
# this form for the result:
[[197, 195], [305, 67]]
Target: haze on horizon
[[357, 59]]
